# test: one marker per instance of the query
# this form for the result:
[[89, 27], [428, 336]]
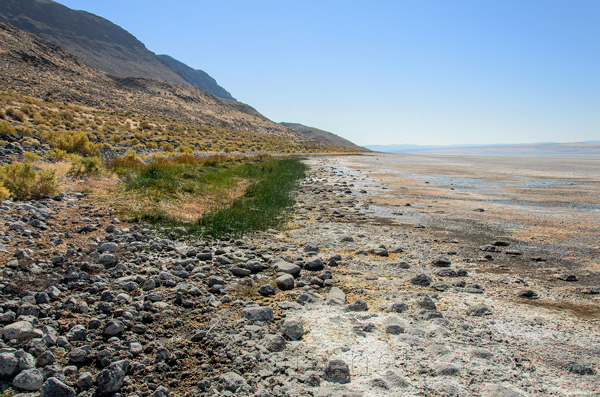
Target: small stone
[[398, 307], [110, 379], [233, 382], [479, 310], [580, 368], [286, 267], [85, 380], [274, 343], [358, 305], [393, 326], [292, 329], [114, 328], [314, 265], [8, 365], [442, 262], [285, 282], [258, 313], [266, 290], [55, 388], [108, 247], [421, 279], [336, 297], [240, 272], [337, 371], [29, 379], [19, 330], [528, 294]]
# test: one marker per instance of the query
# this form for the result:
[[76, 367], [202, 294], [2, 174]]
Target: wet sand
[[549, 204]]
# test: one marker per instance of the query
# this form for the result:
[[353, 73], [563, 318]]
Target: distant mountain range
[[101, 43], [588, 148]]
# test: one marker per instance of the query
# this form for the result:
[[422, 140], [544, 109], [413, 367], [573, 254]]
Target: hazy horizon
[[391, 72]]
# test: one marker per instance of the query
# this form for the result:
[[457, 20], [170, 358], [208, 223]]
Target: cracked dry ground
[[346, 302]]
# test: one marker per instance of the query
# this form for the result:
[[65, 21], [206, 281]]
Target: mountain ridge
[[100, 42], [322, 135]]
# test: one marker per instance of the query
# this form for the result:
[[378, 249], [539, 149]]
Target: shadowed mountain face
[[196, 78], [35, 67], [99, 42], [320, 135]]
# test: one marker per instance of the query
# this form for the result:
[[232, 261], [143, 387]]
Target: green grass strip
[[265, 204]]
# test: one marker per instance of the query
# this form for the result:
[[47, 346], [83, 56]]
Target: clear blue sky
[[384, 72]]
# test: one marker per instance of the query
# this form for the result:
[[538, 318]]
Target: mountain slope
[[99, 42], [197, 78], [35, 67], [320, 135]]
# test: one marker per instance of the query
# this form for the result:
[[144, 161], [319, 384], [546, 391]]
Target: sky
[[391, 72]]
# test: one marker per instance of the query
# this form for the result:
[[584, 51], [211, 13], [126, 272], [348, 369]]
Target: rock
[[501, 243], [528, 294], [266, 290], [286, 267], [233, 382], [309, 298], [292, 329], [394, 380], [441, 286], [258, 313], [337, 371], [567, 277], [314, 265], [422, 280], [114, 328], [274, 343], [481, 353], [285, 282], [446, 369], [489, 248], [110, 379], [77, 333], [77, 355], [55, 388], [442, 262], [108, 260], [8, 365], [240, 272], [446, 272], [580, 368], [108, 247], [19, 330], [29, 379], [85, 380], [479, 310], [398, 307], [392, 325], [336, 297], [379, 251], [358, 305]]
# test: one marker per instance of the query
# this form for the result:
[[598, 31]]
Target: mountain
[[591, 148], [197, 78], [35, 67], [320, 135], [101, 43]]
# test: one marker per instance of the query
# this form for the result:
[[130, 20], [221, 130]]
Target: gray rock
[[108, 247], [422, 280], [108, 260], [441, 286], [258, 313], [85, 380], [528, 294], [394, 326], [580, 368], [481, 353], [314, 265], [336, 297], [110, 379], [310, 298], [274, 343], [77, 355], [8, 364], [19, 330], [359, 305], [45, 358], [77, 333], [394, 380], [233, 382], [267, 290], [446, 369], [29, 379], [398, 307], [55, 388], [337, 371], [286, 267], [285, 282], [479, 310], [240, 272], [292, 329], [442, 262], [114, 328]]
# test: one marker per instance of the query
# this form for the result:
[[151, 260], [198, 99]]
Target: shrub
[[15, 114], [31, 157], [7, 129], [4, 193], [23, 182], [57, 155], [72, 142], [85, 166]]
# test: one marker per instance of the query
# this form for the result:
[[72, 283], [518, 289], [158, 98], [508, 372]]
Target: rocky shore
[[345, 303]]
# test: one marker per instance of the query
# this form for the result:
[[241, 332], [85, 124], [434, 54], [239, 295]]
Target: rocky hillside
[[320, 135], [101, 43], [196, 77], [37, 68]]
